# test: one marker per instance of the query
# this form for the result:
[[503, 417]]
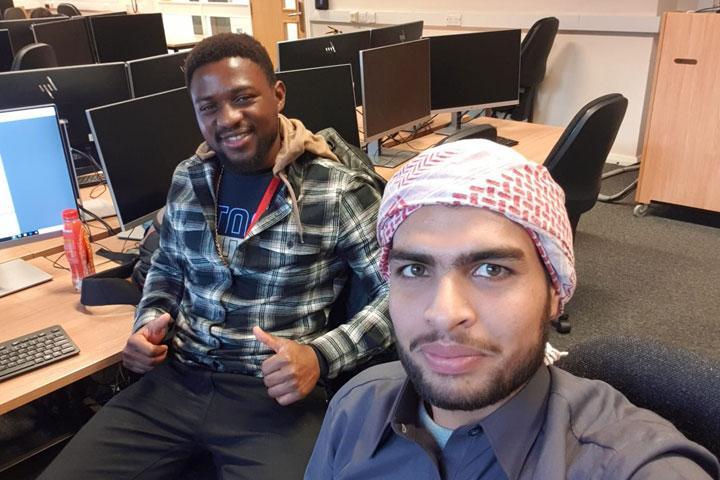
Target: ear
[[280, 95]]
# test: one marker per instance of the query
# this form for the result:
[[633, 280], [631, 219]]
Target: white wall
[[602, 47]]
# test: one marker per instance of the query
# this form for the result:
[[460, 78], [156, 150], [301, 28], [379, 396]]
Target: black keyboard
[[90, 179], [508, 142], [35, 350]]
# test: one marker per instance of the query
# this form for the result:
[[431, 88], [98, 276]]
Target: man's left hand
[[290, 374]]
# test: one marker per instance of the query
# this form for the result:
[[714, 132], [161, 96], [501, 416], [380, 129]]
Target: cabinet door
[[681, 155]]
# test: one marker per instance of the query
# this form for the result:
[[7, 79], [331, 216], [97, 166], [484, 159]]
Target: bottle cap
[[70, 214]]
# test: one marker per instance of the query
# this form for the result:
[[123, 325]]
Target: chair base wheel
[[562, 324]]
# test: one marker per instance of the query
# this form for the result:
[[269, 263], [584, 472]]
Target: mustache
[[460, 339]]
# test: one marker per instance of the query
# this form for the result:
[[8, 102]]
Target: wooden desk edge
[[57, 384]]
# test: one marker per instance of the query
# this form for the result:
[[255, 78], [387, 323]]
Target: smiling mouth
[[235, 139]]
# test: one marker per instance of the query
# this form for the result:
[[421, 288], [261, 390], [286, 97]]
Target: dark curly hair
[[225, 45]]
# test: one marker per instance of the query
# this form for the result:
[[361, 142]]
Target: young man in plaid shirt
[[261, 231]]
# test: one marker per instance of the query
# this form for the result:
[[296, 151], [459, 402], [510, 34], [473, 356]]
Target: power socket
[[453, 19]]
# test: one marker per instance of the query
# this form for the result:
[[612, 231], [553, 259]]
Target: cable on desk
[[96, 217], [55, 263]]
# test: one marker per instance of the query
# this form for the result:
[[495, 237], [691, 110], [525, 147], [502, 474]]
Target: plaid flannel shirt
[[269, 278]]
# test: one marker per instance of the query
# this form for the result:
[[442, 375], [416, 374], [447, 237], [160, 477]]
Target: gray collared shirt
[[557, 426]]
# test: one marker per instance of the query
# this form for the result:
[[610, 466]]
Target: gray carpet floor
[[653, 276]]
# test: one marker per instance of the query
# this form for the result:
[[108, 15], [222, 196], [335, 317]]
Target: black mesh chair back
[[68, 10], [40, 12], [576, 161], [35, 55], [677, 384], [15, 13]]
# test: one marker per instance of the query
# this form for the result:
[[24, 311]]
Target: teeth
[[233, 138]]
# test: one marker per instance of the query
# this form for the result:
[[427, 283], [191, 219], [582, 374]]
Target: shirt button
[[290, 244], [474, 432]]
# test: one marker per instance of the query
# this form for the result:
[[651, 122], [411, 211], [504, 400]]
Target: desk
[[535, 140], [102, 332]]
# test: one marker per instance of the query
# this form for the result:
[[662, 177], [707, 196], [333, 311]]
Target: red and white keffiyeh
[[483, 174]]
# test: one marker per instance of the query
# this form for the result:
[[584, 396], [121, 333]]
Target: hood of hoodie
[[295, 140]]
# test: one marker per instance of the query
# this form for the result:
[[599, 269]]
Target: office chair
[[40, 12], [15, 13], [677, 384], [576, 161], [534, 52], [626, 190], [35, 55], [68, 9]]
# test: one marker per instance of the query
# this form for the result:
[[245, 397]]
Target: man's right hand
[[143, 350]]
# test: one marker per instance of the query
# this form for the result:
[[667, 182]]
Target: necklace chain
[[216, 235]]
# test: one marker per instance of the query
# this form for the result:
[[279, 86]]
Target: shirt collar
[[511, 429]]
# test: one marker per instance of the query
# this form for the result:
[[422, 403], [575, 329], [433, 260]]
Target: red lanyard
[[264, 202]]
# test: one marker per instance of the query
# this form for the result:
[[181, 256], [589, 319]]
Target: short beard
[[253, 164], [500, 383]]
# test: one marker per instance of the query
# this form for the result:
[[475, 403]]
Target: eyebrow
[[506, 253], [233, 91]]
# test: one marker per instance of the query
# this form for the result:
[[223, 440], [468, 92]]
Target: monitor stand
[[387, 157], [18, 275], [455, 125]]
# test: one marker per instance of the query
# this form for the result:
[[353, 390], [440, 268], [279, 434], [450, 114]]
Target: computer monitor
[[395, 92], [392, 34], [20, 32], [157, 74], [140, 142], [322, 97], [35, 187], [119, 38], [73, 89], [6, 51], [473, 71], [69, 38], [324, 51]]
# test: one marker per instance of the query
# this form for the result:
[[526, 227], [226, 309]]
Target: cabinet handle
[[686, 61]]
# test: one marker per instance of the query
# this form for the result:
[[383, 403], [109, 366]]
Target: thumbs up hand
[[143, 350], [290, 374]]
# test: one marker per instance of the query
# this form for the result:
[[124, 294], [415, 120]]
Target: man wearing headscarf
[[477, 248]]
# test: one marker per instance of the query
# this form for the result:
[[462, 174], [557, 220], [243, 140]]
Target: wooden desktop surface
[[101, 332], [535, 140]]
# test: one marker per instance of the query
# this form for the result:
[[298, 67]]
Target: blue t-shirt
[[239, 197]]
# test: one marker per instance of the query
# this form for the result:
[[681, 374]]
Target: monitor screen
[[70, 40], [157, 74], [324, 51], [405, 32], [72, 89], [474, 70], [322, 97], [140, 143], [119, 38], [20, 31], [35, 183], [6, 51], [395, 87]]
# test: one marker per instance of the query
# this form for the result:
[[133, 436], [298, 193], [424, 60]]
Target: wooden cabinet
[[681, 153]]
